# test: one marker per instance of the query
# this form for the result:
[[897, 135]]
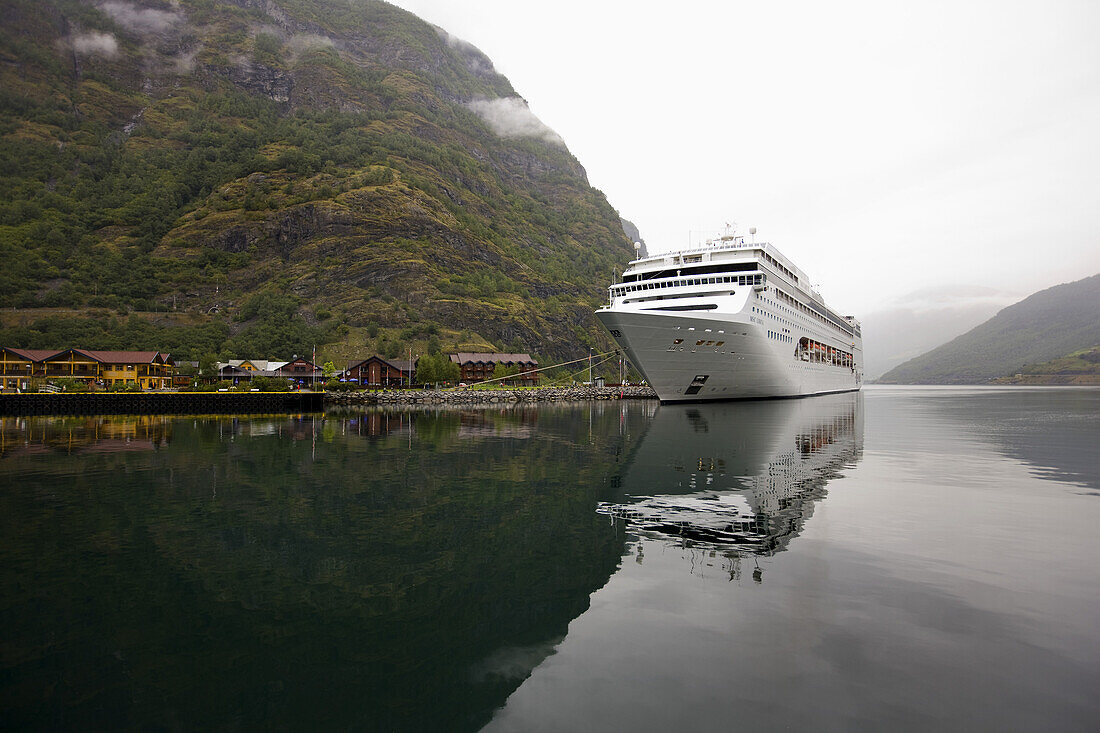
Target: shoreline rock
[[487, 396]]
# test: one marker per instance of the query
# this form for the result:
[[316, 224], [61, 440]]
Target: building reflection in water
[[85, 434], [468, 422], [739, 477], [373, 423]]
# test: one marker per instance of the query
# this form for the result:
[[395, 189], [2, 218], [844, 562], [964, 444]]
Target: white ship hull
[[748, 365]]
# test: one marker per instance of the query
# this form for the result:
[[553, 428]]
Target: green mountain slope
[[1047, 325], [278, 172], [1080, 368]]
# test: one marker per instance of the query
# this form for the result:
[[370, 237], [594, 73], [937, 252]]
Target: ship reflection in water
[[742, 477]]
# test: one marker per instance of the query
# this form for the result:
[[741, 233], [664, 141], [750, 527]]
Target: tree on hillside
[[274, 325], [503, 372], [208, 365], [435, 369]]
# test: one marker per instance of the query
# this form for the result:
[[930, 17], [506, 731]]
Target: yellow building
[[147, 369], [150, 369], [19, 366]]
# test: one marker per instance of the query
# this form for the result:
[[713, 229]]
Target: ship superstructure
[[731, 320]]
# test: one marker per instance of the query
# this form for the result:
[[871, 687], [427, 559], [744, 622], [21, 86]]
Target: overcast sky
[[885, 147]]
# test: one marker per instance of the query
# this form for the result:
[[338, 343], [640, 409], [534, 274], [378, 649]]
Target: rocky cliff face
[[190, 154]]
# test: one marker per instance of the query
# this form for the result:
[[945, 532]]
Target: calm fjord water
[[902, 559]]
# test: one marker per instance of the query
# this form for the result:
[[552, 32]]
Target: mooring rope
[[608, 354]]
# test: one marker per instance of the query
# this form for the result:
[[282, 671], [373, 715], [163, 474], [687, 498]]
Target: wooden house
[[379, 372], [238, 370], [19, 366], [479, 366], [301, 370], [147, 369], [233, 373]]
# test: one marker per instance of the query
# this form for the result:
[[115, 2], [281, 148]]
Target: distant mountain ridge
[[923, 320], [363, 175], [1044, 326]]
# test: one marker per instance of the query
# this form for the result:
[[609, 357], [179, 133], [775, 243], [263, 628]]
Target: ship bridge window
[[695, 270], [626, 289], [679, 296]]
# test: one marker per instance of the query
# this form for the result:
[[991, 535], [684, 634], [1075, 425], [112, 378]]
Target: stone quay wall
[[487, 396]]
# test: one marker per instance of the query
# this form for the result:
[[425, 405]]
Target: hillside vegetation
[[262, 175], [1085, 361], [1048, 325], [1080, 367]]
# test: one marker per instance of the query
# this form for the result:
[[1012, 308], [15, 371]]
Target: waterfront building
[[300, 370], [19, 366], [378, 372], [248, 369], [479, 366], [147, 369], [259, 366]]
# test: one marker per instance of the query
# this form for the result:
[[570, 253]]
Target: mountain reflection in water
[[367, 570], [742, 476]]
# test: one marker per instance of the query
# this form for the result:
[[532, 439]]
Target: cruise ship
[[731, 320]]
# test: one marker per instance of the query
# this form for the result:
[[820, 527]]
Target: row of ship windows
[[757, 279], [798, 308], [814, 351], [807, 349], [781, 268], [769, 314]]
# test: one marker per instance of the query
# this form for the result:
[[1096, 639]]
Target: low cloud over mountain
[[511, 117]]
